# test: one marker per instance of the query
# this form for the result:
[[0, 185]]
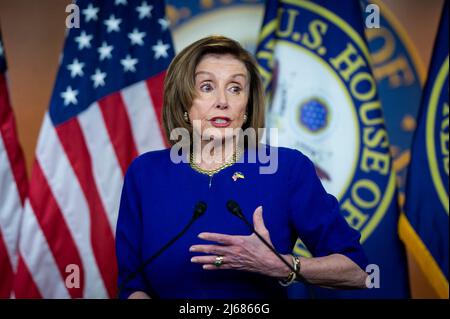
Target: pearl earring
[[245, 118], [186, 117]]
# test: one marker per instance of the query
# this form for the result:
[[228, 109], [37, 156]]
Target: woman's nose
[[221, 101], [221, 106]]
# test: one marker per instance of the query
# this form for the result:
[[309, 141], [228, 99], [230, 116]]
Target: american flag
[[104, 111], [13, 185]]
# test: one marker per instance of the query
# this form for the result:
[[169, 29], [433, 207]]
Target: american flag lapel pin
[[237, 175]]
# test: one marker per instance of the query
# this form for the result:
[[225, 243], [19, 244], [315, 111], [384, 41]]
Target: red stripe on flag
[[6, 271], [119, 129], [54, 227], [102, 238], [155, 86], [9, 134], [24, 285]]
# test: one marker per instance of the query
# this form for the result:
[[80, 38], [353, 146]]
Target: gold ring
[[219, 261]]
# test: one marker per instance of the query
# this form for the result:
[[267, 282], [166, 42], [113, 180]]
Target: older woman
[[212, 90]]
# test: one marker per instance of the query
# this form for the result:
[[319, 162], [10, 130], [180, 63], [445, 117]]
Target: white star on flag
[[69, 96], [83, 40], [105, 51], [90, 13], [76, 68], [145, 11], [99, 78], [112, 24], [164, 24], [160, 49], [129, 63], [117, 2], [136, 37]]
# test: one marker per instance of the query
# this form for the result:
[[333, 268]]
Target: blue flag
[[425, 228], [323, 99], [400, 75]]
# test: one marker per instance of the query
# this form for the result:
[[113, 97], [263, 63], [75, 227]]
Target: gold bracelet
[[293, 274], [297, 264]]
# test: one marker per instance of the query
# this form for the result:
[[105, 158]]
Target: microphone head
[[234, 208], [199, 209]]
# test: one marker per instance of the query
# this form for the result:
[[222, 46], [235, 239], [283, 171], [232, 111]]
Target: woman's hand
[[242, 252]]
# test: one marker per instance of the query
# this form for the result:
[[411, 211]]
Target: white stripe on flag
[[107, 172], [10, 206], [38, 257], [70, 198], [144, 123]]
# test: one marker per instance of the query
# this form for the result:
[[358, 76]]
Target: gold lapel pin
[[237, 175]]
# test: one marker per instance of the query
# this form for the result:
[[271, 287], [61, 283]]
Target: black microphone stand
[[235, 209], [199, 210]]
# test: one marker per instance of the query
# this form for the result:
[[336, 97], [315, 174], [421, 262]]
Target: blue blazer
[[158, 199]]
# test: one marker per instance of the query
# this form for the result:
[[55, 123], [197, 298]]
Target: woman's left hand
[[242, 252]]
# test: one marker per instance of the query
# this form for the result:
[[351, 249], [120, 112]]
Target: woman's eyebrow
[[202, 73], [209, 73], [239, 75]]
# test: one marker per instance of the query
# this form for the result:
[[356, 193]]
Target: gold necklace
[[211, 172]]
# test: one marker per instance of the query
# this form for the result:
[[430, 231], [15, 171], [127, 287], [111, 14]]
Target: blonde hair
[[179, 84]]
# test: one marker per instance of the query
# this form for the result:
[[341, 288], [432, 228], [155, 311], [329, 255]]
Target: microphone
[[199, 210], [235, 209]]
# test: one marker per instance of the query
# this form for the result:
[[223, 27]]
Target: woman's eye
[[206, 87], [235, 89]]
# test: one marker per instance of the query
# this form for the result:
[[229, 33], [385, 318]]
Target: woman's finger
[[210, 249], [221, 238], [211, 262], [205, 259], [212, 267]]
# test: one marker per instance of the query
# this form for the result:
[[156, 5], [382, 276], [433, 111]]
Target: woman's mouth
[[220, 121]]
